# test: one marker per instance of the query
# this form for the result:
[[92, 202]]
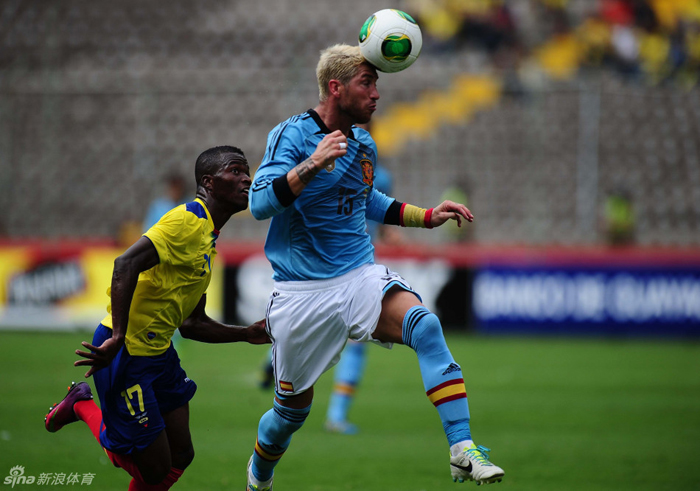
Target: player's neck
[[333, 118], [220, 213]]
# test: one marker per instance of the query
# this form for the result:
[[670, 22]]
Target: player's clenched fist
[[333, 146]]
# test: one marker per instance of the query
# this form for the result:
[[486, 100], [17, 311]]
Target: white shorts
[[309, 322]]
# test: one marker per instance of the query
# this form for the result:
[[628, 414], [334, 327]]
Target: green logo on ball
[[367, 27], [396, 47], [405, 16]]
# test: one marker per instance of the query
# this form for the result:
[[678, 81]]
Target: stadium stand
[[98, 100]]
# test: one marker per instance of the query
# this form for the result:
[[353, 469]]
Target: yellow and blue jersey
[[166, 294]]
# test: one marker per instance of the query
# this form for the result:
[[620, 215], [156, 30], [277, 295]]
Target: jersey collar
[[322, 126], [206, 210]]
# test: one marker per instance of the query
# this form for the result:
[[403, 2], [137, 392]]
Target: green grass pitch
[[559, 414]]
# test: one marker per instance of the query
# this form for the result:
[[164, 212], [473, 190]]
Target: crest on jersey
[[367, 171]]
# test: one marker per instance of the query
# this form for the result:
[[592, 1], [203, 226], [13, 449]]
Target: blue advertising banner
[[561, 300]]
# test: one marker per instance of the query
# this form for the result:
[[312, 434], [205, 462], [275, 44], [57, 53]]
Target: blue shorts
[[134, 392]]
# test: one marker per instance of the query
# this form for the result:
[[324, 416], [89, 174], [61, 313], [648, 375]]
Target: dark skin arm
[[200, 327], [141, 256]]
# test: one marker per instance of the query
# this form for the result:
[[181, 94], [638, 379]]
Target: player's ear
[[334, 87], [207, 182]]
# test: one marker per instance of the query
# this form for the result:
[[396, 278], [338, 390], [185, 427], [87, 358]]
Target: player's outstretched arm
[[449, 210], [200, 327]]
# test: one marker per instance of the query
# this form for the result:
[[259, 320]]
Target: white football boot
[[253, 483], [472, 464]]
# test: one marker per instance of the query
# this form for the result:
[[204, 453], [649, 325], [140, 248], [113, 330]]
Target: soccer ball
[[390, 40]]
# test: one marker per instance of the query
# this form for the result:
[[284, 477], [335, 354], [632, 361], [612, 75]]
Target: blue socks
[[442, 380], [442, 376], [348, 373], [274, 435]]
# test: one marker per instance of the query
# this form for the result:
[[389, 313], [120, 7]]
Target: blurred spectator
[[619, 218], [654, 55], [438, 25], [625, 50], [617, 12], [594, 34], [644, 15], [174, 196], [450, 25], [652, 41], [690, 71]]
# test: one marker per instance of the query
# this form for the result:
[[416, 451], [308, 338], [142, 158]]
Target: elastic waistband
[[316, 285]]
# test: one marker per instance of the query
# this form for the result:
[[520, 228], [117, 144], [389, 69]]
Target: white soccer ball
[[390, 40]]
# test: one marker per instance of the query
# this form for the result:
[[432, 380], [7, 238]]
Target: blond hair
[[339, 62]]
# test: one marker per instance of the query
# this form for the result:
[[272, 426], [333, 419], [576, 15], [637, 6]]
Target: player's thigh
[[177, 427], [396, 302], [308, 333], [174, 389], [299, 401], [154, 461], [130, 409], [380, 300]]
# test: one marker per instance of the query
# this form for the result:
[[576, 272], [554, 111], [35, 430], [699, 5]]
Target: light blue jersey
[[322, 233]]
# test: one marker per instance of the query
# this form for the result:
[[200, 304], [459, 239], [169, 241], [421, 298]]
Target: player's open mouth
[[245, 191]]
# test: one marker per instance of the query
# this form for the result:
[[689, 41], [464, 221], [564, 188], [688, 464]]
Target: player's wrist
[[428, 220], [413, 216], [118, 336], [308, 169], [318, 162], [118, 342]]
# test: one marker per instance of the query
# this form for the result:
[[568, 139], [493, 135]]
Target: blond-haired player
[[316, 182]]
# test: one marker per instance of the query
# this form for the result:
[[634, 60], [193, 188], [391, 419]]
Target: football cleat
[[62, 413], [341, 427], [253, 483], [473, 464], [267, 376]]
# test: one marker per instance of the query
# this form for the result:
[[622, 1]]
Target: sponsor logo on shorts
[[142, 418]]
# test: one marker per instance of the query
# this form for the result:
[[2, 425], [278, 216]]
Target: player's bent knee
[[154, 474], [431, 335], [183, 458], [422, 330], [155, 461]]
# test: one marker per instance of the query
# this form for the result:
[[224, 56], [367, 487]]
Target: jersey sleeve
[[270, 194], [378, 204], [175, 240]]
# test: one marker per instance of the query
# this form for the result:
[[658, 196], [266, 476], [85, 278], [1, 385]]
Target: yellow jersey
[[166, 294]]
